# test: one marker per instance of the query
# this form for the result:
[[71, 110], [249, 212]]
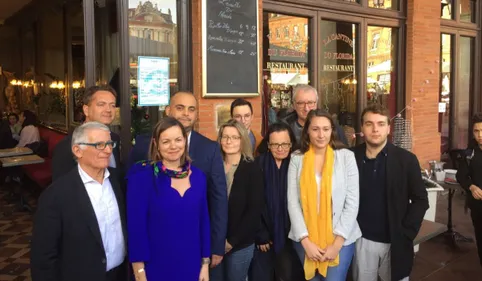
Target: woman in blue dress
[[167, 212]]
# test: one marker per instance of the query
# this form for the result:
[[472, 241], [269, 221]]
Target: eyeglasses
[[234, 138], [100, 145], [307, 103], [284, 145]]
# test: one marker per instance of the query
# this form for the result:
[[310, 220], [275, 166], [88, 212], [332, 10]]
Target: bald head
[[183, 107]]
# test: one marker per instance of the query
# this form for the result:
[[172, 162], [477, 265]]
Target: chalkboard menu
[[230, 48]]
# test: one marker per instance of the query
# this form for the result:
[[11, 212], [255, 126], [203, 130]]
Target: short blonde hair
[[246, 147]]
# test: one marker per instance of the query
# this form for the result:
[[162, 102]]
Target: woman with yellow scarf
[[323, 198]]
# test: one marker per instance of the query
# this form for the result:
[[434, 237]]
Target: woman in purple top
[[167, 212]]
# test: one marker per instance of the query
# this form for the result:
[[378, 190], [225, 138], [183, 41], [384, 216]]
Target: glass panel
[[78, 62], [107, 49], [467, 10], [286, 62], [445, 92], [51, 101], [460, 134], [447, 9], [383, 4], [338, 77], [152, 33], [381, 70]]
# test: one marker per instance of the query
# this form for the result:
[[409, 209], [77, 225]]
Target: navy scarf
[[276, 185]]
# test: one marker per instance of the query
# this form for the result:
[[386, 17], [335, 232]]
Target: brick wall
[[207, 106], [423, 72]]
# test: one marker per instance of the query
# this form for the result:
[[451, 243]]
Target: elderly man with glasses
[[79, 229]]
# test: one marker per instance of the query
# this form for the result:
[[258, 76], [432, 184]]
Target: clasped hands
[[315, 253]]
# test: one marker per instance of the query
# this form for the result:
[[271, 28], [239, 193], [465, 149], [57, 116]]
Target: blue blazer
[[206, 156]]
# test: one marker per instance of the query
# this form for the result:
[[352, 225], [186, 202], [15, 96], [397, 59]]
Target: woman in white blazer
[[323, 198]]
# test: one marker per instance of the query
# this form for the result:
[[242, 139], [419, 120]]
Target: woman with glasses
[[167, 213], [323, 199], [245, 202], [272, 256]]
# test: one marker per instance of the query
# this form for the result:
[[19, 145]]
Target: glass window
[[447, 9], [467, 10], [286, 62], [382, 65], [383, 4], [154, 16], [445, 92], [460, 134], [338, 76], [51, 102], [107, 49]]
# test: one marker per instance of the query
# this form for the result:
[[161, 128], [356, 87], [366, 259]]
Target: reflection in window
[[467, 10], [464, 90], [447, 9], [383, 4], [338, 79], [153, 17], [445, 92], [286, 61], [381, 59], [108, 72]]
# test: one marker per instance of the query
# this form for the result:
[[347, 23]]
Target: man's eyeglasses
[[308, 103], [100, 145], [284, 145]]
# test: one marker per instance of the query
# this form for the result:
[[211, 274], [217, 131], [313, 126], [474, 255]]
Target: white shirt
[[28, 135], [106, 210], [189, 139]]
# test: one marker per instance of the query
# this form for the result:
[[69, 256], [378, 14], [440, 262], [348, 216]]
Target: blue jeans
[[336, 273], [262, 266], [234, 267]]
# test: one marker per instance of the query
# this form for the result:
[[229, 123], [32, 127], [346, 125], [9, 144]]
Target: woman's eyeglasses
[[284, 145]]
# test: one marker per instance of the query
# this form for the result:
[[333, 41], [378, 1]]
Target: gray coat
[[345, 197]]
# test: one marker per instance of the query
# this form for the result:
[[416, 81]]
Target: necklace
[[184, 172]]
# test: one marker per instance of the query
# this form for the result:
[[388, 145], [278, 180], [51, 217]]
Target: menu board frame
[[205, 64]]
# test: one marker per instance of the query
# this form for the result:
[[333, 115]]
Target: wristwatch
[[205, 261]]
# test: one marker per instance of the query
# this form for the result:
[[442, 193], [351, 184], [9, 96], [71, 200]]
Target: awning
[[385, 66]]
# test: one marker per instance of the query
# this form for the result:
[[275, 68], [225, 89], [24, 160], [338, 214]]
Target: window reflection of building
[[152, 33], [286, 58], [380, 65]]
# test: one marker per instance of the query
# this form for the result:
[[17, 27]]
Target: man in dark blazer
[[79, 230], [99, 105], [393, 201], [205, 155]]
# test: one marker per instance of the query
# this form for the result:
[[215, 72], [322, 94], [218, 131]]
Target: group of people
[[242, 207], [19, 130]]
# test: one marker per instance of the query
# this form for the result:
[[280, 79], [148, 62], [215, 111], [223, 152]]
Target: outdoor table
[[453, 235]]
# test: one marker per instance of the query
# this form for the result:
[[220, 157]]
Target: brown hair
[[246, 147], [90, 92], [164, 124], [305, 143], [376, 109]]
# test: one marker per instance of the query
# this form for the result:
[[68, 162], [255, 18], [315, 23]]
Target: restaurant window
[[462, 97], [447, 9], [338, 77], [383, 4], [382, 65], [153, 61], [445, 92], [286, 62], [467, 10]]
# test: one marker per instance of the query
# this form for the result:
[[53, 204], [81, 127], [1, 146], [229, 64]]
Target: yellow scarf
[[320, 225]]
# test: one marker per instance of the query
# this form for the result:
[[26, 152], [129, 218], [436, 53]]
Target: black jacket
[[468, 173], [63, 159], [66, 240], [404, 183], [245, 205]]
